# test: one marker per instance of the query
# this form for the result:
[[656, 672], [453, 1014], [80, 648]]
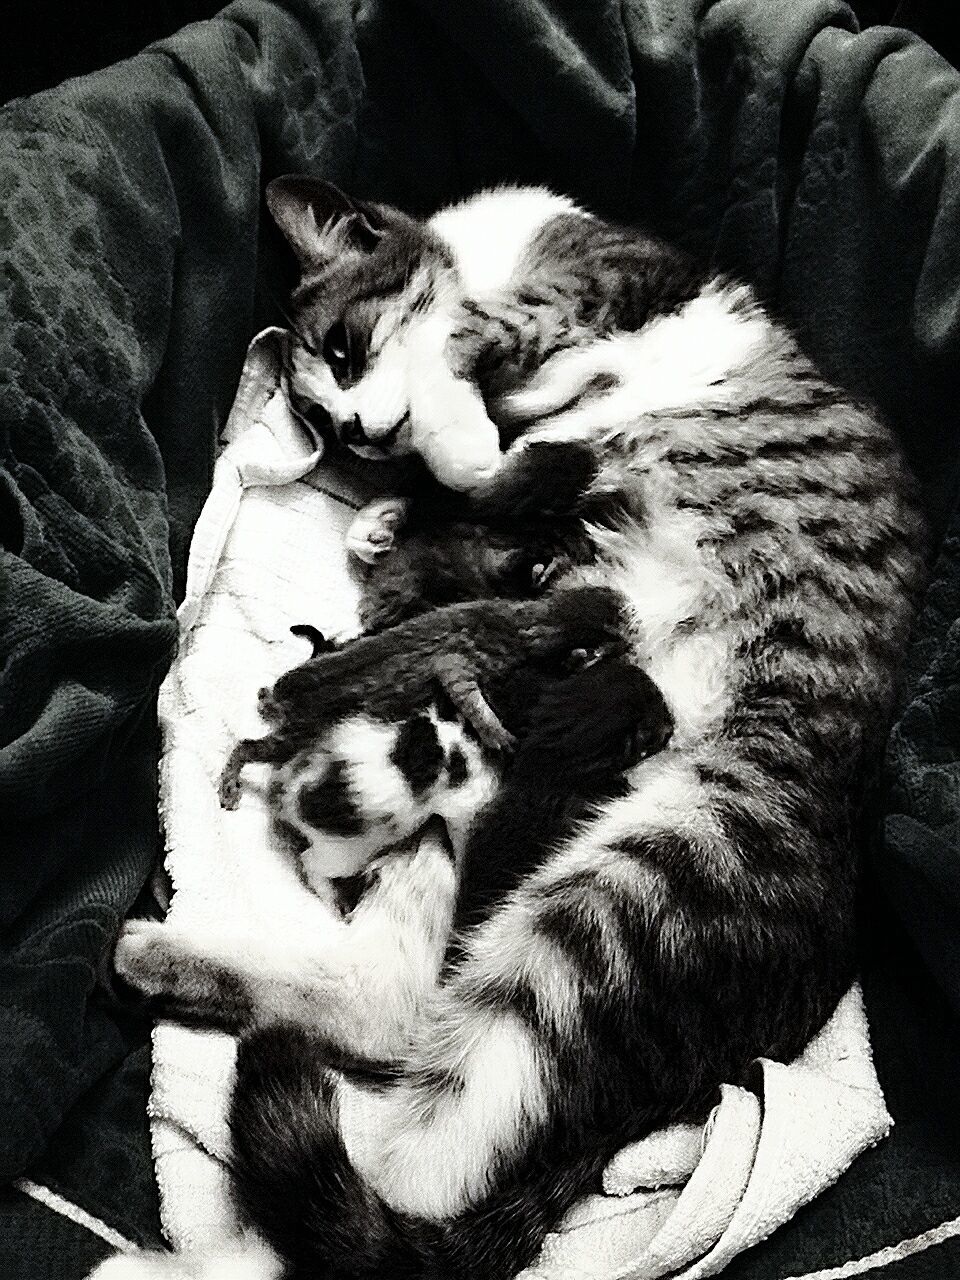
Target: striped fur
[[761, 529]]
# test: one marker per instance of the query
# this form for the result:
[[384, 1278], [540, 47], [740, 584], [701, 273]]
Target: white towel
[[268, 552]]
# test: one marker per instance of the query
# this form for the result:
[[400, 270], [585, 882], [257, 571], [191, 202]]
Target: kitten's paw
[[466, 695], [547, 572], [229, 788], [266, 704], [375, 528]]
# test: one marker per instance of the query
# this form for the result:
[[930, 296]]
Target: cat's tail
[[290, 1165], [294, 1179], [573, 1023]]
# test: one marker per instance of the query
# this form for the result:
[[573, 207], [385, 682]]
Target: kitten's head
[[366, 270]]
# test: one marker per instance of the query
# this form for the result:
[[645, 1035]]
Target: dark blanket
[[764, 134]]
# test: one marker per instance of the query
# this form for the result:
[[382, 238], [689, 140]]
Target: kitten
[[578, 733], [435, 547], [364, 747], [765, 540]]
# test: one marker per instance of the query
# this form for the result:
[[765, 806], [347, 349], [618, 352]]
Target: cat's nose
[[352, 432]]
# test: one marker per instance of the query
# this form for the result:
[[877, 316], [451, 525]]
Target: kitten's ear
[[319, 221]]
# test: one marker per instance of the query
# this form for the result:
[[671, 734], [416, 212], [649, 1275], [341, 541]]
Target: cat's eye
[[337, 351]]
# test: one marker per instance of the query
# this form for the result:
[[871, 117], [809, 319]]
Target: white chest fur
[[488, 233]]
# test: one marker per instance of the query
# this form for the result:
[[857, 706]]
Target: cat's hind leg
[[358, 985], [266, 750]]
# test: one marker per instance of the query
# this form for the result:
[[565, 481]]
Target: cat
[[767, 544]]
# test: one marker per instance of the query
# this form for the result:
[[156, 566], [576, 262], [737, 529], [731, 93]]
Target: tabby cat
[[764, 537]]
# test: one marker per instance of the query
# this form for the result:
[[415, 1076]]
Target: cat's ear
[[320, 221]]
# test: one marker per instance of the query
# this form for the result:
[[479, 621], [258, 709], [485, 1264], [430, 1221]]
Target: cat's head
[[366, 271]]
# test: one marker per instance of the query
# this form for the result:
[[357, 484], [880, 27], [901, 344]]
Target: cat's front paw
[[453, 434], [374, 529]]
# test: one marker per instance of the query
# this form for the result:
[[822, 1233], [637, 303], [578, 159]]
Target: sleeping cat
[[433, 546], [765, 540]]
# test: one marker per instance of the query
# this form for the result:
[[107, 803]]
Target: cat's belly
[[675, 596], [693, 674]]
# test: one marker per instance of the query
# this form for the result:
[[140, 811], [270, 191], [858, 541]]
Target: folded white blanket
[[268, 553]]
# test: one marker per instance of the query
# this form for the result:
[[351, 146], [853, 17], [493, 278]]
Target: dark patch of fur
[[583, 732], [328, 805], [283, 1115], [458, 771], [417, 753]]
